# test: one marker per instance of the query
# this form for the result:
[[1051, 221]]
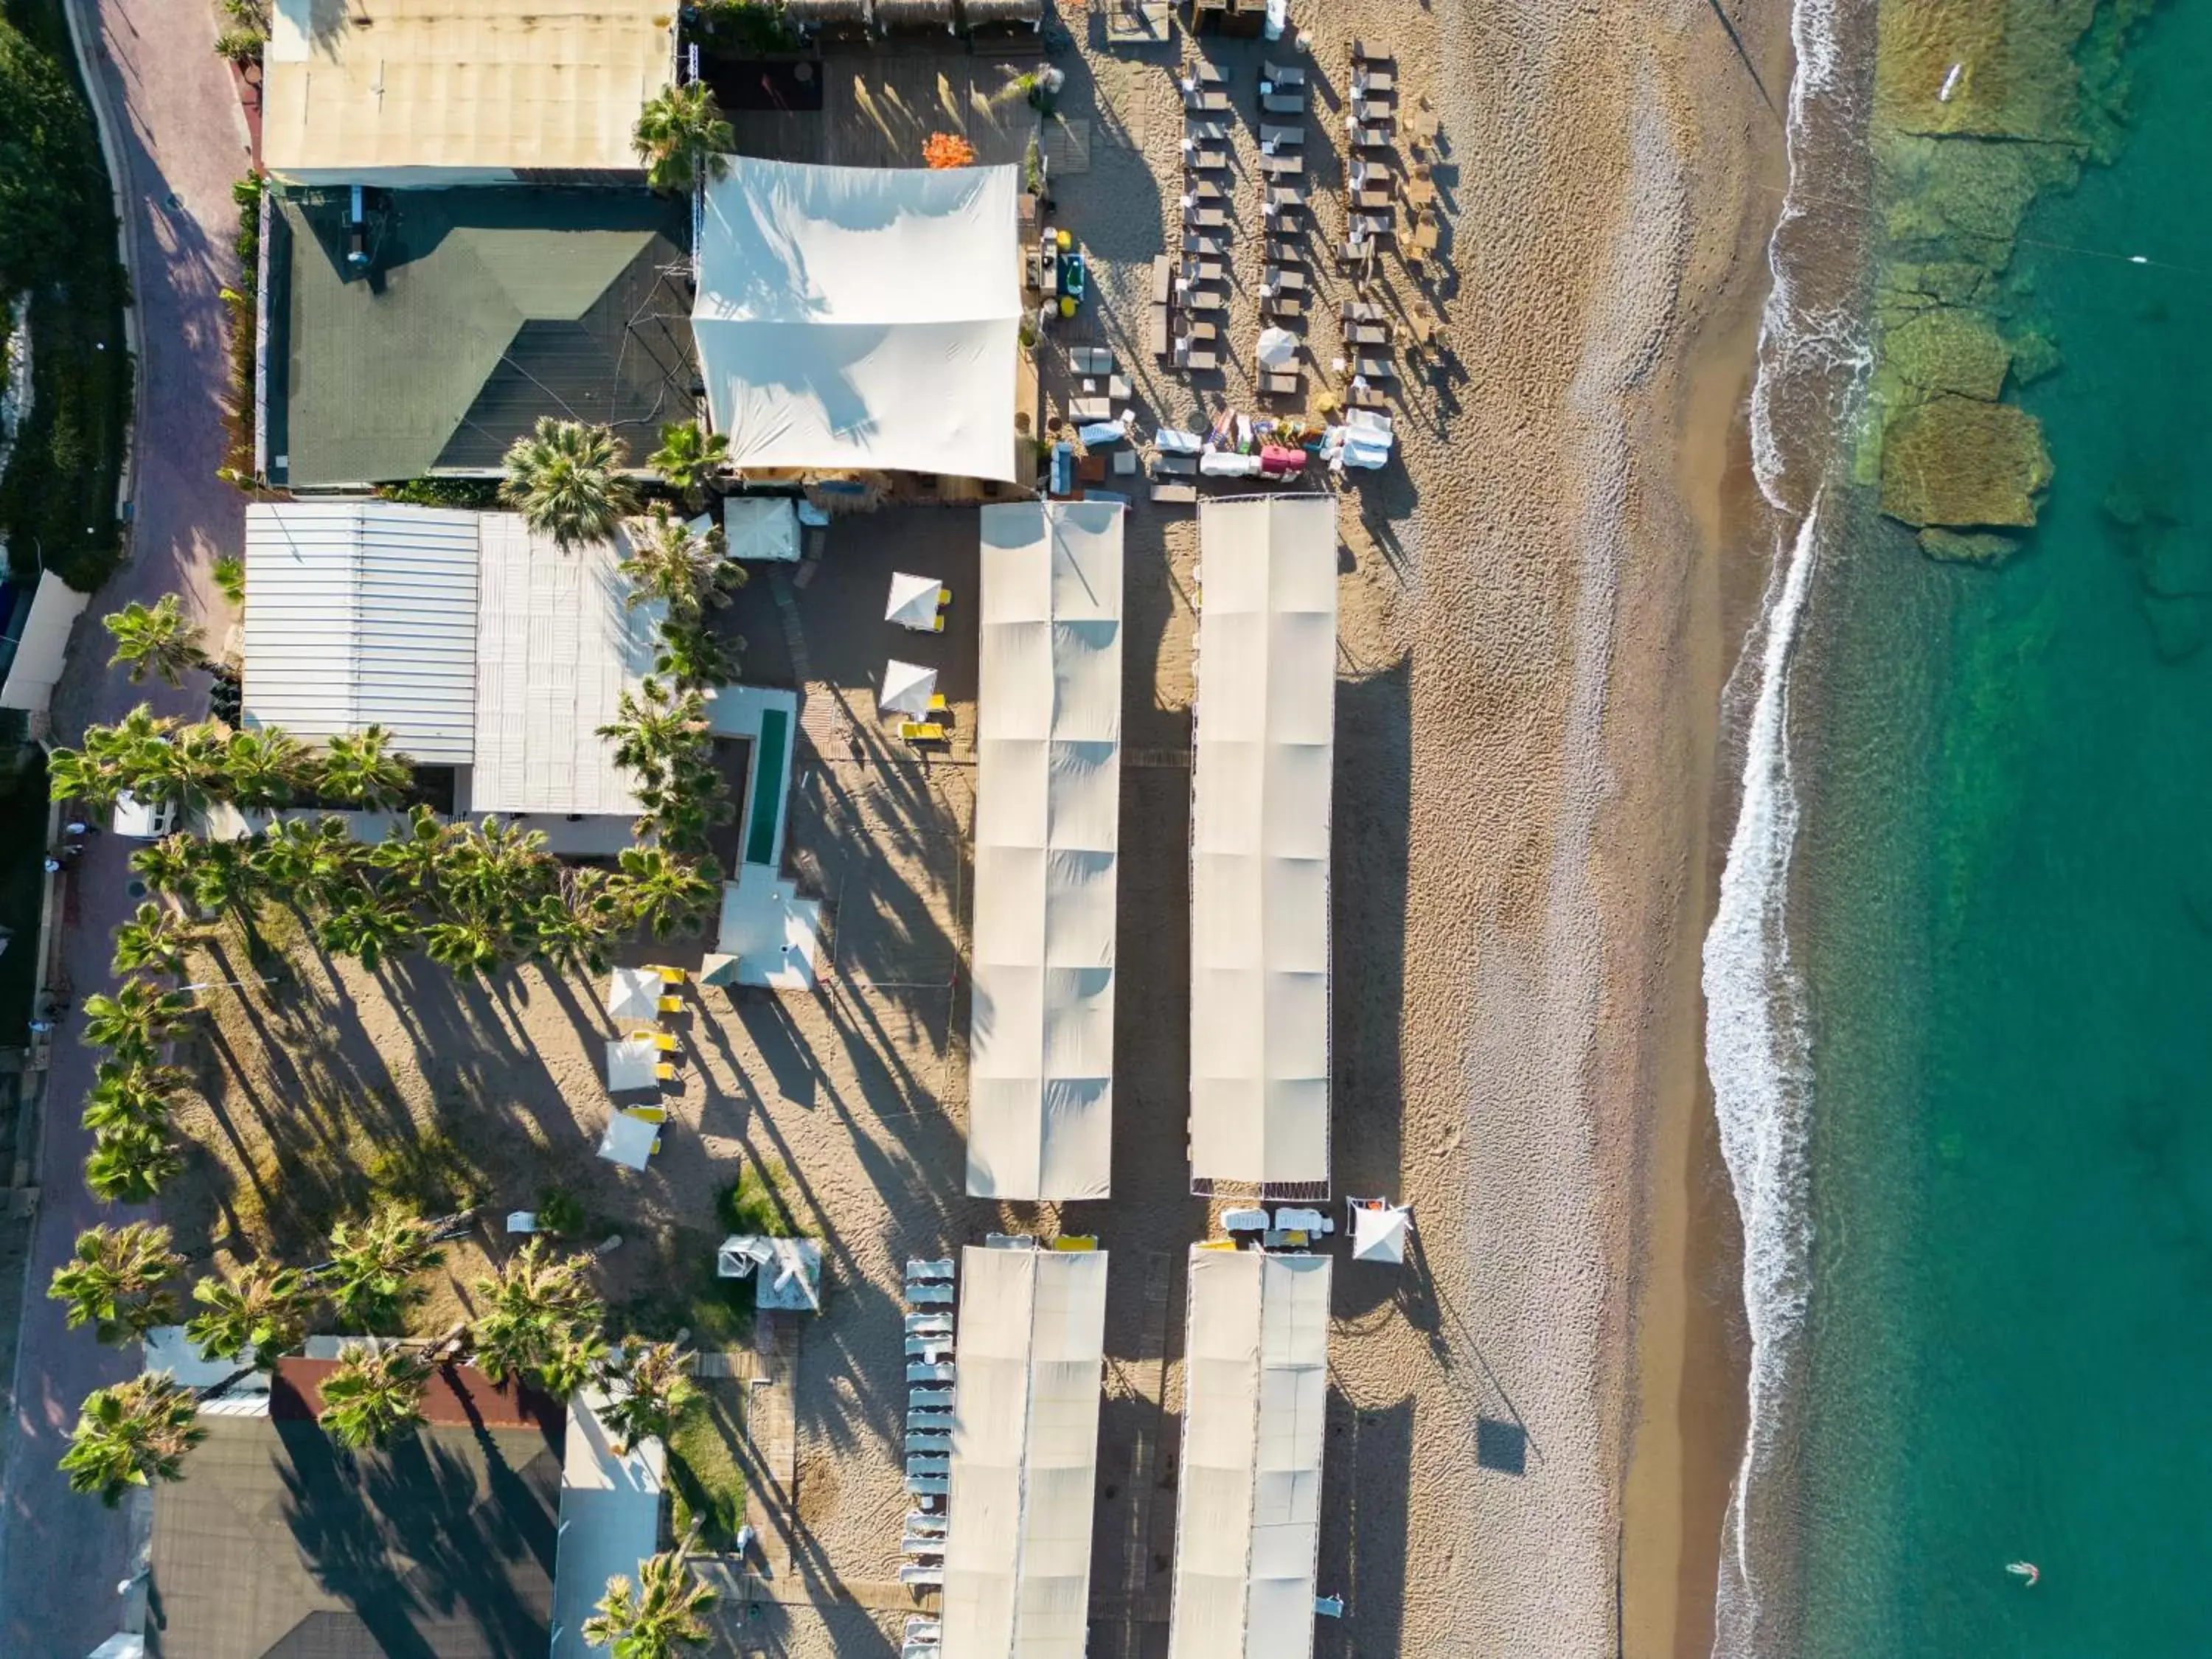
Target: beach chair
[[937, 1350], [929, 1324], [1373, 369], [1205, 299], [1201, 270], [1368, 138], [922, 1549], [933, 1400], [1375, 224], [1205, 191], [1205, 218], [1282, 382], [1206, 247], [665, 1042], [1363, 53], [1156, 330], [670, 1005], [666, 1072], [1360, 311], [928, 1486], [924, 1576], [1205, 100], [1280, 252], [1283, 74], [1367, 80], [1282, 103], [1205, 158], [1372, 109], [922, 1296], [647, 1114], [1197, 359], [1374, 198], [1205, 75], [1282, 137], [1206, 132], [1281, 305], [1284, 281], [923, 1372], [1366, 334], [935, 1422], [924, 1520], [919, 732], [1284, 198], [673, 975], [930, 1441], [1163, 279], [929, 1464], [921, 1271], [1283, 166]]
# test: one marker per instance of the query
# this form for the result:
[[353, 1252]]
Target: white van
[[138, 820]]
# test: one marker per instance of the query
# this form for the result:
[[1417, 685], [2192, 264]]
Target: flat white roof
[[1248, 1519], [362, 613], [1048, 835], [862, 317], [1260, 828], [42, 644], [1025, 1467], [555, 649], [609, 1519], [412, 91]]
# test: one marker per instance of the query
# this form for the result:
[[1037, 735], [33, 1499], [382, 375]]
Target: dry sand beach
[[1530, 1432]]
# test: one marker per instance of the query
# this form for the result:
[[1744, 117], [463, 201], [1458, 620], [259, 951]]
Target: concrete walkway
[[174, 126]]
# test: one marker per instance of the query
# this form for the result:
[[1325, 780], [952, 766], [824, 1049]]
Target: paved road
[[171, 114]]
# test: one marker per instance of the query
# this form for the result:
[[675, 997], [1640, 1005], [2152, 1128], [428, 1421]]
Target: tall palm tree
[[566, 480], [264, 1309], [368, 928], [154, 941], [224, 877], [372, 1399], [132, 1435], [662, 891], [579, 1356], [166, 865], [652, 727], [125, 741], [262, 767], [653, 1618], [131, 1096], [187, 769], [530, 1306], [687, 459], [116, 1280], [414, 852], [157, 638], [374, 1262], [669, 564], [79, 775], [309, 862], [466, 945], [679, 132], [651, 1386], [129, 1165], [554, 929], [362, 770], [692, 655], [132, 1022]]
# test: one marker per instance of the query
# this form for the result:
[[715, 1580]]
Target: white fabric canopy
[[630, 1061], [1278, 348], [1025, 1453], [913, 602], [862, 317], [1048, 837], [634, 994], [1260, 827], [1255, 1393], [907, 688], [1379, 1235], [759, 527], [42, 644], [629, 1142]]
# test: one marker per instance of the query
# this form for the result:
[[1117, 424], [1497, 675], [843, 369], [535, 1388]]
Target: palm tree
[[466, 944], [129, 1165], [131, 1096], [367, 928], [566, 481], [224, 877], [373, 1263], [656, 1617], [415, 853], [264, 1309], [679, 132], [118, 1281], [662, 891], [131, 1023], [360, 770], [554, 929], [693, 655], [687, 459], [668, 564], [76, 775], [132, 1435], [187, 770], [579, 1356], [125, 740], [309, 863], [166, 866], [154, 940], [157, 638], [372, 1399], [651, 728], [531, 1304], [262, 767], [654, 1386]]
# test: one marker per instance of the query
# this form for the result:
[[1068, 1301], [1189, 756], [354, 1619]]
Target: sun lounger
[[928, 1324], [1203, 190], [1280, 252], [928, 1373], [929, 1400], [923, 1296], [1375, 224], [1366, 334], [930, 1443], [935, 1346], [1283, 166], [1372, 109], [1091, 409], [920, 732], [923, 1521], [928, 1486], [929, 1464], [1283, 74], [1156, 330], [1205, 218], [1205, 159], [1091, 359], [927, 1419], [1197, 359], [1363, 53], [1375, 199], [1284, 281], [1198, 329], [1210, 247], [1282, 306], [1281, 137], [1206, 132], [1204, 299], [1282, 382], [1181, 466], [920, 1271], [1205, 100], [1175, 495], [1368, 138], [1366, 80], [1244, 1221], [1201, 270], [1360, 311], [1373, 369], [922, 1576], [1206, 74], [1282, 198], [1283, 103]]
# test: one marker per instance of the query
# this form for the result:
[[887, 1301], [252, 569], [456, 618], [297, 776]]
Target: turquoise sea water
[[2002, 909]]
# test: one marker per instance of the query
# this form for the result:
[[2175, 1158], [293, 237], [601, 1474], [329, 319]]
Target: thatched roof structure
[[1003, 11], [826, 11]]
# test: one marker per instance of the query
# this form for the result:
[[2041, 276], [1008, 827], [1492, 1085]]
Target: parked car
[[139, 820]]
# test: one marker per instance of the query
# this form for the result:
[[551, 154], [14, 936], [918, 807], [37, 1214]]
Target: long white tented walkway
[[1030, 1357], [1260, 828], [1247, 1525], [1048, 835]]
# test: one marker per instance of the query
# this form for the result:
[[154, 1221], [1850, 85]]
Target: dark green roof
[[479, 311]]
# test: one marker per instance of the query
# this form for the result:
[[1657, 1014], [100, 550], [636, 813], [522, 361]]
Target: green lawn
[[703, 1472]]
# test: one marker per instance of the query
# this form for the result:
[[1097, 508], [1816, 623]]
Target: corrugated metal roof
[[388, 89], [361, 613], [554, 651]]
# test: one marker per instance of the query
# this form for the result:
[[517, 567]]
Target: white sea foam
[[1757, 1042]]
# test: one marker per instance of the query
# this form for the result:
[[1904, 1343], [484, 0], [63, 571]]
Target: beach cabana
[[907, 688], [1378, 1231], [1247, 1521], [1259, 847], [1025, 1459], [760, 527], [1048, 828], [629, 1140], [634, 994], [812, 14], [913, 602], [861, 318], [914, 13], [977, 13], [630, 1065]]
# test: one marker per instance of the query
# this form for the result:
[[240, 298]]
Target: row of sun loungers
[[929, 1373]]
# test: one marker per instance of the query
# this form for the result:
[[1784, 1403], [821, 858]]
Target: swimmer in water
[[2026, 1570]]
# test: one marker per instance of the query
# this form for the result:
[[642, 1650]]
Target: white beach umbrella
[[907, 689], [630, 1062], [634, 994], [913, 602], [629, 1140], [1379, 1235], [1279, 348]]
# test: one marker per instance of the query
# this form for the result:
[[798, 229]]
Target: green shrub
[[229, 573], [752, 1205], [444, 492], [561, 1213]]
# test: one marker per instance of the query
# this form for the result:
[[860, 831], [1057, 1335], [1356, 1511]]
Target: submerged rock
[[1962, 462], [2177, 624], [1946, 349], [1982, 547]]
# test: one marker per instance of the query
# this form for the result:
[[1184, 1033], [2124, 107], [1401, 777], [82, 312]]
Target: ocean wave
[[1814, 357]]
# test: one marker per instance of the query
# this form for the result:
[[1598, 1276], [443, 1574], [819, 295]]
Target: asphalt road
[[170, 110]]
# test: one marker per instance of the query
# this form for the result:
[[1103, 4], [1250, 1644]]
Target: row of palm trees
[[570, 480], [540, 1320], [165, 762]]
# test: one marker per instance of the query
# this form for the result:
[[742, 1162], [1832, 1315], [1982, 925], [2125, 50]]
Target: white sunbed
[[918, 1575], [925, 1399], [922, 1296], [924, 1485], [930, 1324], [925, 1373], [918, 1271], [928, 1442], [924, 1417]]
